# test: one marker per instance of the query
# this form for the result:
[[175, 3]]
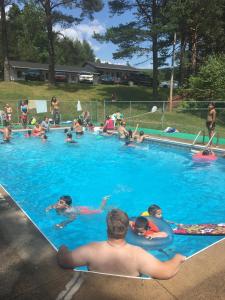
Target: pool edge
[[30, 271]]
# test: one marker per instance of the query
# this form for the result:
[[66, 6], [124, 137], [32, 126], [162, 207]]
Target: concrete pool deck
[[29, 270]]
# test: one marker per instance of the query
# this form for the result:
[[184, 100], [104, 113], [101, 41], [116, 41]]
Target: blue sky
[[103, 51]]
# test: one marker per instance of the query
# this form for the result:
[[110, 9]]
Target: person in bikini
[[116, 256], [64, 207]]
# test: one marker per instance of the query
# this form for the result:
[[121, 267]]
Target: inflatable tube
[[156, 243], [200, 157]]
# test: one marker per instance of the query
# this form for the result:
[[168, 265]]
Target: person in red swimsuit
[[142, 226]]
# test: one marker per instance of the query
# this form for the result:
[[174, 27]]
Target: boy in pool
[[142, 226], [69, 138], [155, 211], [64, 207]]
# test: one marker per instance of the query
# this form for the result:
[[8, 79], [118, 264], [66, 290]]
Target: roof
[[39, 66], [112, 66]]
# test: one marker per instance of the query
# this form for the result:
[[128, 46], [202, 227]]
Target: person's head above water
[[69, 135], [141, 225], [141, 133], [155, 211], [117, 224], [206, 152], [67, 200]]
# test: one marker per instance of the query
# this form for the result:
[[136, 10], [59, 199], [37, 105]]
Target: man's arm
[[149, 265], [71, 259]]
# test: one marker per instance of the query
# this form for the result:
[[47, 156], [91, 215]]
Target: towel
[[79, 108], [41, 106]]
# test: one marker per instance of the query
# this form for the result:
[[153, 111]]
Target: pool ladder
[[210, 140]]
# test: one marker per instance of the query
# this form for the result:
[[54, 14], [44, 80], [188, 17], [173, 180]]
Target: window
[[19, 74]]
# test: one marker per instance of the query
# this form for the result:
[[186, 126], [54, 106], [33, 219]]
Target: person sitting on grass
[[64, 207], [116, 256], [142, 226]]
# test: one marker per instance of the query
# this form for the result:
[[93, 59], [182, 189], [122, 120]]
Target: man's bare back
[[116, 256], [119, 258]]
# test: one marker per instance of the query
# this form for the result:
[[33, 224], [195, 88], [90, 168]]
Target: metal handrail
[[210, 140], [196, 137]]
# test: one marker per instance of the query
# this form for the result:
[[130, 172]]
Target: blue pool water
[[36, 174]]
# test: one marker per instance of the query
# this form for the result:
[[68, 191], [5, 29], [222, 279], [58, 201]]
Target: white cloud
[[82, 31]]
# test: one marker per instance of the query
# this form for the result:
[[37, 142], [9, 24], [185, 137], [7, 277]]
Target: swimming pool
[[36, 174]]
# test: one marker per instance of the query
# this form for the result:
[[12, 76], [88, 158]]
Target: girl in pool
[[64, 207]]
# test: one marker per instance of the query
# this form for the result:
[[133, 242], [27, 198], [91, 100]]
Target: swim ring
[[155, 243], [200, 157]]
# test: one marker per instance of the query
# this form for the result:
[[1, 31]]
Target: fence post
[[130, 109], [104, 111], [96, 108]]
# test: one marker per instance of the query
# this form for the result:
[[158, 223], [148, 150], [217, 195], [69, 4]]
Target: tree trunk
[[4, 42], [194, 50], [51, 51], [154, 51], [182, 67]]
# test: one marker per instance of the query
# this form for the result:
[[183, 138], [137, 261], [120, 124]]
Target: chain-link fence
[[186, 116]]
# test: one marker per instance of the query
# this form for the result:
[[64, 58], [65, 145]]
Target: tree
[[5, 52], [200, 30], [69, 52], [143, 36], [53, 15]]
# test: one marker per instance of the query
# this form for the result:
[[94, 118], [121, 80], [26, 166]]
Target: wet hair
[[141, 132], [67, 199], [69, 135], [117, 224], [71, 128], [141, 222], [45, 137], [29, 132], [206, 152], [152, 209], [104, 130], [66, 130]]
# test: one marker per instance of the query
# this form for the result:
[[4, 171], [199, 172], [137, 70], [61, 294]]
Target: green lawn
[[92, 98]]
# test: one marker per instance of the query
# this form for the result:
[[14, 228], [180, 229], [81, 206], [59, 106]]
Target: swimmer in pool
[[142, 226], [64, 207], [69, 138]]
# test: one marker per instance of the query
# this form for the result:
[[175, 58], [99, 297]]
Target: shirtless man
[[7, 131], [116, 256], [211, 119], [55, 110]]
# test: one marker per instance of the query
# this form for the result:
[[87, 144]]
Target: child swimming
[[64, 207]]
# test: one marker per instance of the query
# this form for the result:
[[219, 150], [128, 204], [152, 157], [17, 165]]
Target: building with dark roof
[[18, 70], [115, 71]]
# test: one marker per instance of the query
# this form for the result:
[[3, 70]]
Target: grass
[[92, 98]]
